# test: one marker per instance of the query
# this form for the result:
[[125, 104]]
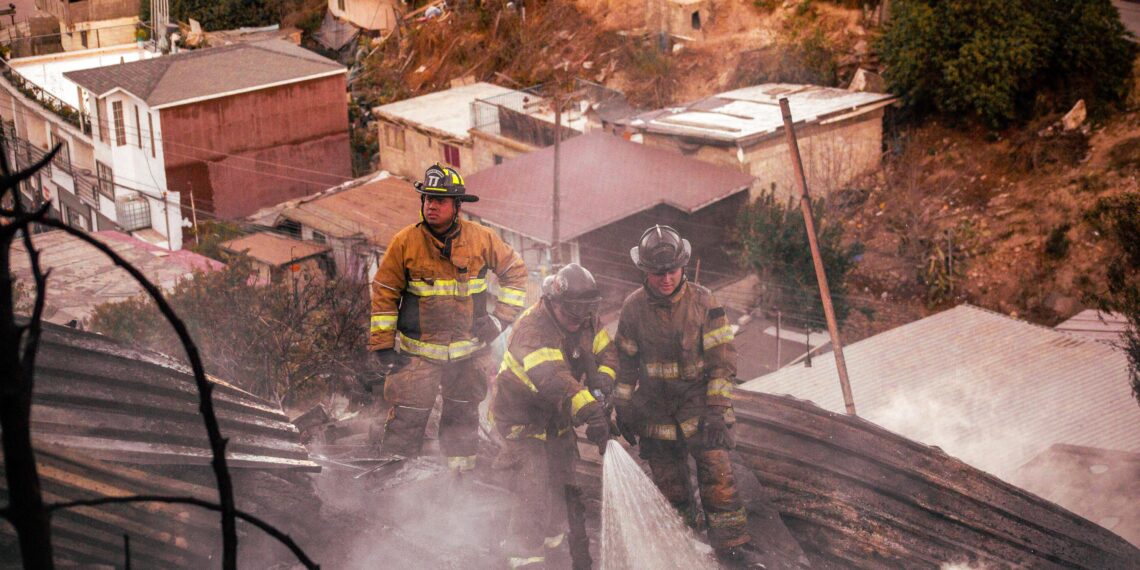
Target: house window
[[78, 220], [696, 20], [104, 180], [451, 155], [150, 123], [320, 238], [120, 125], [498, 159], [101, 109], [138, 126], [62, 158], [340, 4], [394, 137]]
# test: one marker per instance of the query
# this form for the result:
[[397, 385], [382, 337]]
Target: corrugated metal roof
[[114, 402], [83, 278], [162, 535], [603, 179], [274, 249], [447, 111], [206, 73], [988, 389], [755, 111], [1091, 323], [374, 210]]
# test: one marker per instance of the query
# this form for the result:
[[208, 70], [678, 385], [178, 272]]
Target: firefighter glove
[[599, 381], [487, 328], [597, 425], [715, 429], [390, 361], [627, 423], [596, 380]]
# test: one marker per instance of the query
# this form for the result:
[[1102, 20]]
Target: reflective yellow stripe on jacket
[[601, 341], [513, 297], [715, 338], [454, 351], [446, 287], [579, 401], [719, 387], [383, 323], [536, 358]]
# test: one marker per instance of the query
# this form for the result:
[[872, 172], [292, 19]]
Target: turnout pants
[[411, 392], [540, 471], [725, 516]]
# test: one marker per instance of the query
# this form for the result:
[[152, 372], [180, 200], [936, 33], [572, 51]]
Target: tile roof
[[1106, 327], [375, 210], [274, 249], [988, 389], [447, 111], [754, 112], [83, 278], [603, 179], [207, 73]]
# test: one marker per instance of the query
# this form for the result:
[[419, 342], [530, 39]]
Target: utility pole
[[821, 276], [194, 218], [779, 322], [556, 253]]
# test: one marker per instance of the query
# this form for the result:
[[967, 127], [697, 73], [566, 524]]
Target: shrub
[[776, 247], [989, 59]]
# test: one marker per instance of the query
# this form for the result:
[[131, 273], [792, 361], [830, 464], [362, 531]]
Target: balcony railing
[[45, 99]]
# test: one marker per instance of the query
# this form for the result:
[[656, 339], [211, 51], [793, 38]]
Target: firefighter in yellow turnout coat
[[674, 390], [430, 320], [557, 356]]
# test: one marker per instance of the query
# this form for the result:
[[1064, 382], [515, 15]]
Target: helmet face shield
[[580, 310], [574, 292]]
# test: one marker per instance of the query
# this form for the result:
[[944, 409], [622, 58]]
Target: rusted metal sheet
[[857, 495], [162, 535], [118, 403]]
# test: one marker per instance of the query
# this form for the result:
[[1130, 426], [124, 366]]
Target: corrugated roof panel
[[116, 402], [987, 388]]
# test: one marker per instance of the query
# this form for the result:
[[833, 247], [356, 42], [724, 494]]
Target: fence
[[45, 99]]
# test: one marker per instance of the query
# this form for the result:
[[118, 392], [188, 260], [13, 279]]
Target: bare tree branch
[[252, 519], [205, 391], [26, 510]]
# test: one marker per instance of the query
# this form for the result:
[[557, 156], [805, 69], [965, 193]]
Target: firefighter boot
[[739, 557]]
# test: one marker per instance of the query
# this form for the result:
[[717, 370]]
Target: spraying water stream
[[640, 529]]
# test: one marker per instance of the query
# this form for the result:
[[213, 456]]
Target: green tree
[[776, 247], [1002, 61], [1117, 220]]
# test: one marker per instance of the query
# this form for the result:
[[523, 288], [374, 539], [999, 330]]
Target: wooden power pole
[[821, 276]]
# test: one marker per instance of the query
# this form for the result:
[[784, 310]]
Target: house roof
[[603, 178], [1090, 323], [447, 111], [191, 76], [83, 278], [274, 249], [991, 390], [374, 210], [754, 112]]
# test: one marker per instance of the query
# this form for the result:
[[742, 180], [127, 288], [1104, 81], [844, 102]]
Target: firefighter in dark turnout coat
[[674, 390], [557, 360]]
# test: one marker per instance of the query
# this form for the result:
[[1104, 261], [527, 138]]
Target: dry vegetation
[[1006, 208]]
